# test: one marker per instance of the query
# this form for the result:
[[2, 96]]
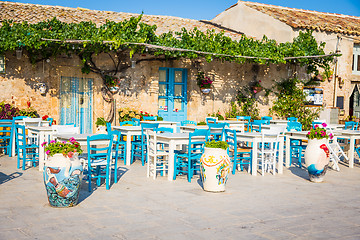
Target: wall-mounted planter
[[205, 91]]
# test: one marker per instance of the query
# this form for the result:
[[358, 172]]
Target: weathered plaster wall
[[139, 85], [254, 23]]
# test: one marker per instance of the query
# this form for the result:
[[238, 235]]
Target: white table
[[238, 125], [166, 124], [173, 140], [43, 134], [128, 131], [80, 138], [352, 135], [255, 139]]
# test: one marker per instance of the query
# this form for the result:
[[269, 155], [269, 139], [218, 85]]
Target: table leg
[[254, 158], [41, 152], [171, 161], [287, 153], [351, 152], [128, 149], [281, 156]]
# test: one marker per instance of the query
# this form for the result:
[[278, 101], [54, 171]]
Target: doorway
[[76, 102]]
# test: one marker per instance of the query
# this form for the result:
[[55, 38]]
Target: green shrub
[[291, 102], [201, 123], [217, 144], [100, 121]]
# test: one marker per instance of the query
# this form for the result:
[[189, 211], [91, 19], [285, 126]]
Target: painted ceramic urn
[[317, 158], [62, 178], [215, 169]]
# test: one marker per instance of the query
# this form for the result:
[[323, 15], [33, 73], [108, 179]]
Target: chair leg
[[24, 159], [115, 171], [107, 179], [89, 179]]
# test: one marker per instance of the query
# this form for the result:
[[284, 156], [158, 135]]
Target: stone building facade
[[139, 87], [341, 33]]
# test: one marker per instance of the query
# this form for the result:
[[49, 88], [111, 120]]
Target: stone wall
[[139, 85]]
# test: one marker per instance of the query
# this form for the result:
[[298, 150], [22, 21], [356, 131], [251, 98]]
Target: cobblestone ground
[[284, 206]]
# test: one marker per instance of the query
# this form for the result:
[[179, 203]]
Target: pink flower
[[255, 91], [308, 133], [331, 136], [43, 144], [316, 126], [52, 141], [48, 152], [64, 142], [324, 124], [72, 140]]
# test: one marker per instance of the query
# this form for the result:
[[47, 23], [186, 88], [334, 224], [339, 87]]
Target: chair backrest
[[267, 119], [6, 129], [99, 146], [51, 120], [230, 138], [188, 122], [163, 130], [246, 118], [20, 117], [292, 119], [20, 135], [108, 127], [351, 125], [217, 129], [127, 123], [273, 141], [150, 118], [294, 126], [196, 146], [211, 120], [32, 122], [136, 121], [65, 129], [145, 126], [256, 125]]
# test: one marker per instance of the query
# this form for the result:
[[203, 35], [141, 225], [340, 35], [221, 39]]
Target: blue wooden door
[[76, 102], [172, 94]]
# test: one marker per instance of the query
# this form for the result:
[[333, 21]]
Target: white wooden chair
[[268, 149], [157, 157]]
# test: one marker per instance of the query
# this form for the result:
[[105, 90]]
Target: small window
[[340, 102], [356, 59], [2, 64]]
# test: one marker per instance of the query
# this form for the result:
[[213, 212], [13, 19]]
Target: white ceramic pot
[[62, 178], [215, 169], [317, 158]]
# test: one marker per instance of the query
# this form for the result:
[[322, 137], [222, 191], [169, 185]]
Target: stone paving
[[284, 206]]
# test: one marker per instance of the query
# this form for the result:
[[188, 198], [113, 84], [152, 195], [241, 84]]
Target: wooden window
[[356, 59]]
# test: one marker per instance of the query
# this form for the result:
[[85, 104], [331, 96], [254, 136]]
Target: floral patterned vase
[[215, 169], [317, 158], [62, 178]]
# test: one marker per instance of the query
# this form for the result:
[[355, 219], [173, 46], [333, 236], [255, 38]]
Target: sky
[[198, 9]]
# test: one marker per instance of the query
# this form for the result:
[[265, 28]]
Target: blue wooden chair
[[19, 117], [119, 146], [217, 130], [138, 147], [99, 163], [28, 151], [267, 119], [187, 122], [127, 123], [150, 118], [245, 118], [239, 155], [6, 135], [296, 147], [210, 120], [351, 125], [136, 121], [256, 125], [51, 120], [292, 119], [189, 162]]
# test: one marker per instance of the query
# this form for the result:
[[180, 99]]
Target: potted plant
[[257, 87], [112, 82], [100, 125], [215, 166], [204, 82], [62, 172], [317, 154]]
